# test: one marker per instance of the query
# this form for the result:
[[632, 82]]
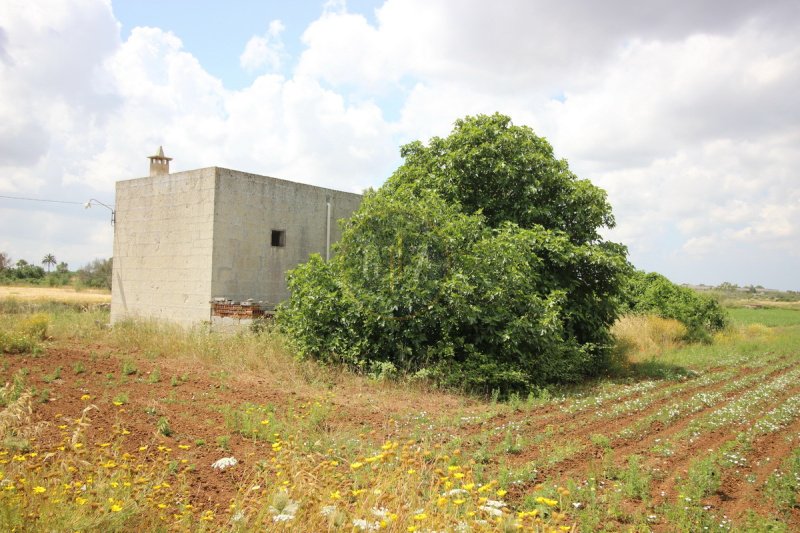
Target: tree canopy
[[478, 264], [508, 174]]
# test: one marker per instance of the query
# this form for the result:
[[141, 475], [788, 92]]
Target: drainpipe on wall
[[328, 228]]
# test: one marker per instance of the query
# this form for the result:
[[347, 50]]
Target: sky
[[687, 113]]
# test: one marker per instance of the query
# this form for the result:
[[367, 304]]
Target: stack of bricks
[[233, 309]]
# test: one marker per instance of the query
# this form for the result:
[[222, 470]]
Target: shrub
[[652, 293], [35, 326]]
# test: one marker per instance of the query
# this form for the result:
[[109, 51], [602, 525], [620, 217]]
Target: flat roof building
[[184, 239]]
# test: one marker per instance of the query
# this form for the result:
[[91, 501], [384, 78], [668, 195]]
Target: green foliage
[[652, 293], [96, 274], [22, 271], [488, 165], [27, 273], [470, 295]]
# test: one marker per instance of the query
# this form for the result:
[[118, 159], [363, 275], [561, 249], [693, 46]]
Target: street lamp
[[88, 204]]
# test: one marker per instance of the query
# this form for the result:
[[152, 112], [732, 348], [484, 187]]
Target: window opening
[[279, 238]]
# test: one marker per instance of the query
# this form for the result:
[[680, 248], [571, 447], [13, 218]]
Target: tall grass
[[648, 334]]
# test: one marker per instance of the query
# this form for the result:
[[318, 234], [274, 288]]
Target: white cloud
[[685, 113], [264, 51]]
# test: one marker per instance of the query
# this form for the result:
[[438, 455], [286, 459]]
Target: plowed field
[[703, 438]]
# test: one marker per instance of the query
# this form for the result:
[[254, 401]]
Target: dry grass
[[647, 334], [267, 356], [58, 294], [16, 414]]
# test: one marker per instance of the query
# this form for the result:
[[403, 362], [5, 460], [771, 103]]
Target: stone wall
[[163, 247]]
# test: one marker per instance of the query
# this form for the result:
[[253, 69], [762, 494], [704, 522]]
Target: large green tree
[[451, 270]]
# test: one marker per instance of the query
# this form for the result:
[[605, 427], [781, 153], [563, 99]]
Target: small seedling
[[223, 441], [56, 374], [78, 367], [162, 426], [129, 368], [154, 377], [121, 399]]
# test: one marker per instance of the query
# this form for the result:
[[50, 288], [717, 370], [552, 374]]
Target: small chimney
[[159, 163]]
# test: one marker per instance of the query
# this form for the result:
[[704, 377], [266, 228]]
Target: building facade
[[186, 238]]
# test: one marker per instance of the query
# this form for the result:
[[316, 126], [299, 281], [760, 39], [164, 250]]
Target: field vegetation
[[150, 427]]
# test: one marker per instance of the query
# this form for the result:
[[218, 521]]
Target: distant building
[[186, 238]]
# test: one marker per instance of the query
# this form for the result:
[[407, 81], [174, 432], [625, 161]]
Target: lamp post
[[88, 204]]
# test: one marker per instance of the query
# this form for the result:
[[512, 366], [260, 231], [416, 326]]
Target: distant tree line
[[96, 274]]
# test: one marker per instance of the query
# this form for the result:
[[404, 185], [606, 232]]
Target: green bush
[[35, 326], [15, 342], [504, 298], [652, 293]]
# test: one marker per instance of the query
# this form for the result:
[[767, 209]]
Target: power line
[[41, 200]]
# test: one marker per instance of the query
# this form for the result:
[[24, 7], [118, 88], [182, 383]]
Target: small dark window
[[278, 237]]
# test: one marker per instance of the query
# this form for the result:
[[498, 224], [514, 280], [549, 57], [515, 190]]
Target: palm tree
[[49, 260]]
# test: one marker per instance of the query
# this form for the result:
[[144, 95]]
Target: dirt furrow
[[582, 432]]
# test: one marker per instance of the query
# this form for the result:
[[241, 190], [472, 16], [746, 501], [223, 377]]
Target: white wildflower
[[363, 525], [380, 512], [497, 504]]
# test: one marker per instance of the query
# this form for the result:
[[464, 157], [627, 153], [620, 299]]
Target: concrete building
[[186, 238]]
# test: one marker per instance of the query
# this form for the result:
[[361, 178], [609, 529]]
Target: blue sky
[[685, 112]]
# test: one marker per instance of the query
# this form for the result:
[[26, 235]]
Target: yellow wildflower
[[356, 465], [39, 489]]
